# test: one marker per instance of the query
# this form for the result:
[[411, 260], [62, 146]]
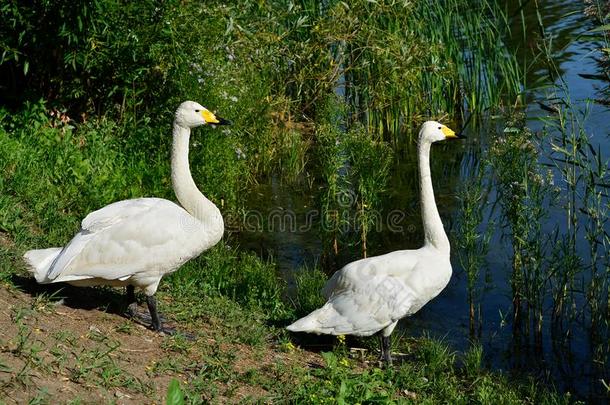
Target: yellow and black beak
[[210, 118], [450, 134]]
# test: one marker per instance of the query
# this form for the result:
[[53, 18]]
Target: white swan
[[135, 242], [370, 295]]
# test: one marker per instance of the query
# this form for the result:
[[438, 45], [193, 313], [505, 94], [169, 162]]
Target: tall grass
[[584, 173], [369, 164], [434, 58], [392, 61], [336, 197], [599, 12], [524, 189], [553, 203], [581, 287], [354, 167], [471, 240]]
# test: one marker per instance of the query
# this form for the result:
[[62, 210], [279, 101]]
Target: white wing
[[145, 237], [370, 294], [118, 211], [364, 297]]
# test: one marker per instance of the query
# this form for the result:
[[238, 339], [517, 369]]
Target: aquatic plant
[[336, 197], [435, 57], [599, 12], [581, 284], [369, 162], [584, 174], [354, 166], [471, 240], [392, 61], [524, 190]]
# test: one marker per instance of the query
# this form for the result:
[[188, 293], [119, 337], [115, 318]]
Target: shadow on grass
[[364, 349], [101, 298]]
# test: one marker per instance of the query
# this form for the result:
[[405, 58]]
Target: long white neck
[[433, 226], [187, 192]]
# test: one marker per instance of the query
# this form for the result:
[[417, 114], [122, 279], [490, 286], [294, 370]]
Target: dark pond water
[[290, 220]]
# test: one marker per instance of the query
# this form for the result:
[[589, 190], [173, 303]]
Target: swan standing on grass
[[371, 295], [134, 243]]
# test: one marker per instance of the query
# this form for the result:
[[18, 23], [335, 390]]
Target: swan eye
[[440, 128], [200, 111]]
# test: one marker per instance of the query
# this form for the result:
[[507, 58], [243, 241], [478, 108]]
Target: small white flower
[[240, 154]]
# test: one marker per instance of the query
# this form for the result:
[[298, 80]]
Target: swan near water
[[134, 243], [371, 295]]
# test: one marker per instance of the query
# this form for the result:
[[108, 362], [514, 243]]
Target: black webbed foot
[[150, 318]]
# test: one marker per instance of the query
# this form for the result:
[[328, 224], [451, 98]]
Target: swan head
[[432, 131], [191, 114]]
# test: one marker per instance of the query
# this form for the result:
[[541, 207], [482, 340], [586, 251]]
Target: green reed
[[392, 61], [581, 288], [598, 11], [585, 177], [335, 199], [369, 164], [524, 190], [434, 55], [354, 167], [472, 242]]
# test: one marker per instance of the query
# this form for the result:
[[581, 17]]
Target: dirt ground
[[81, 349], [54, 349]]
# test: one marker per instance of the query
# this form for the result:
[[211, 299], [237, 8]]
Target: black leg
[[386, 347], [131, 294], [132, 304], [154, 315], [157, 322]]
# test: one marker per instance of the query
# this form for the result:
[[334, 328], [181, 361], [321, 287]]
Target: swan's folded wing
[[358, 274], [122, 239], [362, 309], [118, 211]]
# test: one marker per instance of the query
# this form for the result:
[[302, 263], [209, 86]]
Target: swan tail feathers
[[305, 324], [39, 262], [325, 320]]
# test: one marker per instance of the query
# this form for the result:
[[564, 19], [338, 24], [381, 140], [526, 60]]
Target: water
[[283, 220]]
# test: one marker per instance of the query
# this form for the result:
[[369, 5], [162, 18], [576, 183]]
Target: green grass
[[471, 240], [308, 296], [525, 190]]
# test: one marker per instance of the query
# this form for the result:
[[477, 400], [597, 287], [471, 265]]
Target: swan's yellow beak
[[210, 118], [448, 132]]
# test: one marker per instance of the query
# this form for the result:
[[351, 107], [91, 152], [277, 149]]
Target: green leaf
[[330, 359], [174, 394], [26, 67], [601, 28]]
